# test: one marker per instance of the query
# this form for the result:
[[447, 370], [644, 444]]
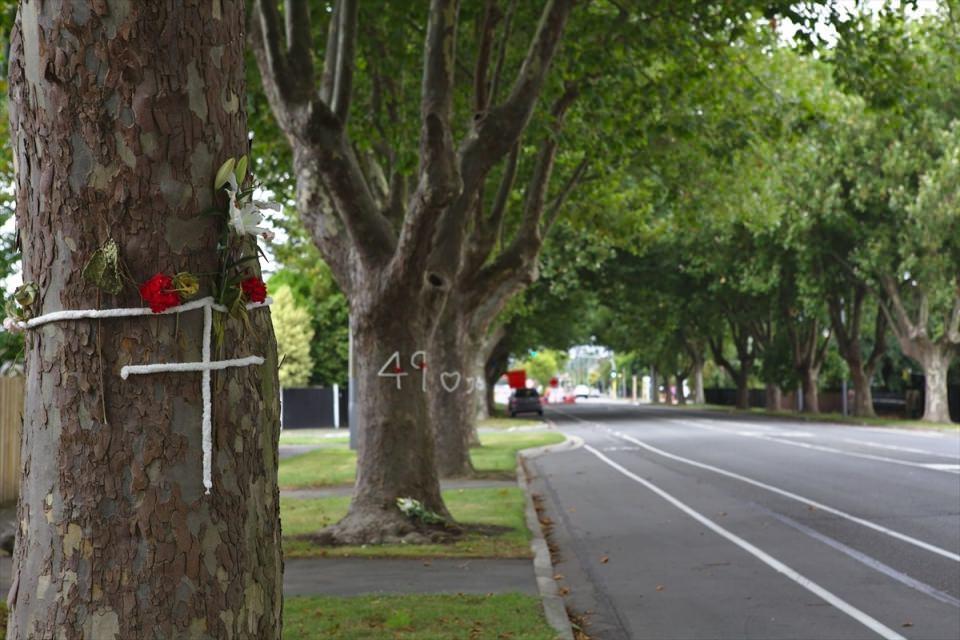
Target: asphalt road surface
[[685, 524]]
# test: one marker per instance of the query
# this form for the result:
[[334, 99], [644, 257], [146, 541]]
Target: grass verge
[[336, 464], [416, 617], [407, 617], [317, 437], [494, 517], [502, 422], [894, 423]]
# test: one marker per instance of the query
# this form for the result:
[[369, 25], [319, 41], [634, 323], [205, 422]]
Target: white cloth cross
[[205, 366]]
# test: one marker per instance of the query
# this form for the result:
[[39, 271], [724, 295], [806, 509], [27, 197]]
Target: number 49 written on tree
[[392, 369]]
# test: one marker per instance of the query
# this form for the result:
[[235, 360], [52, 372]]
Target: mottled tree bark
[[121, 113], [809, 352], [934, 355], [395, 255], [451, 395], [746, 355], [774, 396], [846, 319]]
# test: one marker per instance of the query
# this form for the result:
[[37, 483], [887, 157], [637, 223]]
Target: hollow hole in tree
[[435, 280]]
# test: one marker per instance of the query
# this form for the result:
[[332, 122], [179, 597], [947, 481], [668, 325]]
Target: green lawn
[[498, 451], [497, 507], [502, 422], [336, 464], [324, 467], [314, 436], [897, 423], [416, 617]]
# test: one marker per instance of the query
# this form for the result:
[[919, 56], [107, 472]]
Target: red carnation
[[254, 289], [159, 294]]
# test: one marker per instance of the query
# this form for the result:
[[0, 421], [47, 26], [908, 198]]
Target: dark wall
[[312, 408]]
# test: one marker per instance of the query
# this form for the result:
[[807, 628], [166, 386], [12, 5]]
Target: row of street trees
[[813, 201]]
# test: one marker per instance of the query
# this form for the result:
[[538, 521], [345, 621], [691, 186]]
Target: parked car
[[525, 401]]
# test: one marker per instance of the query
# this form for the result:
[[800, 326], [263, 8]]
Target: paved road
[[684, 524]]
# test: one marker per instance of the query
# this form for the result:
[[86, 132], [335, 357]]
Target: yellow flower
[[186, 284]]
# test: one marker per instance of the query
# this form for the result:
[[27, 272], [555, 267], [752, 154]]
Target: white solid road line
[[793, 496], [842, 605], [783, 492], [865, 559], [816, 447], [893, 447]]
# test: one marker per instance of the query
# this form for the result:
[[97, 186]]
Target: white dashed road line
[[840, 604]]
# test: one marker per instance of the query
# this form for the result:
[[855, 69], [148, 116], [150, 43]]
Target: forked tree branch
[[492, 137], [487, 230]]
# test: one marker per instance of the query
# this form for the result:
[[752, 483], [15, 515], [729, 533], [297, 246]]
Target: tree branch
[[346, 53], [502, 51], [900, 319], [439, 181], [487, 231], [268, 40], [554, 212], [329, 79], [299, 45], [488, 24], [953, 324], [879, 341]]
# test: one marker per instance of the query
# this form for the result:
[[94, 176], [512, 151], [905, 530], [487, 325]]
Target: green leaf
[[103, 268], [241, 170], [223, 173]]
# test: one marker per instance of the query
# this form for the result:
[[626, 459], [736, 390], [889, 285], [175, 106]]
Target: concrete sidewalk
[[356, 576]]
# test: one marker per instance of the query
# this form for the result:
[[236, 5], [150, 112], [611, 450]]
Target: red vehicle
[[524, 401]]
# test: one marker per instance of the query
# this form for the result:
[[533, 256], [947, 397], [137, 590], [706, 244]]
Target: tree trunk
[[121, 113], [452, 394], [936, 363], [699, 397], [395, 453], [681, 396], [774, 397], [654, 387], [862, 394], [809, 380], [667, 390], [743, 389]]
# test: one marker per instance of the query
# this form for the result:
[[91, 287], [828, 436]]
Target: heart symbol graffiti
[[454, 375]]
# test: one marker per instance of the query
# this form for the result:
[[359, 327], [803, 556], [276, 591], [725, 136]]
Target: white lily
[[245, 218]]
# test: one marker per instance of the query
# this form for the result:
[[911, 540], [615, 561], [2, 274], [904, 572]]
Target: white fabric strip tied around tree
[[205, 366]]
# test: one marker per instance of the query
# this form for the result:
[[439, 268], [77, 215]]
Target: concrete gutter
[[554, 607]]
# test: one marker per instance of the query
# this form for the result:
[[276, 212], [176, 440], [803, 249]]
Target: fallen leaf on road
[[811, 508], [559, 576], [605, 559], [907, 624], [721, 514], [660, 587], [564, 590]]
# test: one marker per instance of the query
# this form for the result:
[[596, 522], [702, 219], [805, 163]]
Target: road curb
[[554, 607]]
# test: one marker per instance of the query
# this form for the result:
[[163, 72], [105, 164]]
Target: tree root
[[384, 526]]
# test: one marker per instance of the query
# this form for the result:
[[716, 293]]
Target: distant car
[[583, 391], [525, 401]]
